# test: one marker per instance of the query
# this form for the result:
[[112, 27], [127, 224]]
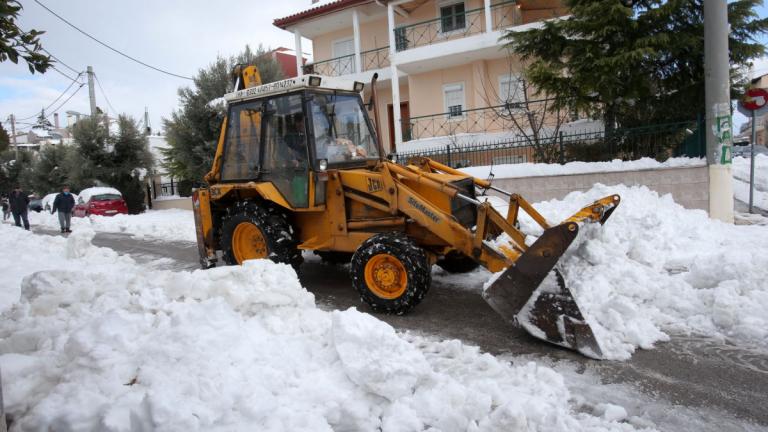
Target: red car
[[101, 201]]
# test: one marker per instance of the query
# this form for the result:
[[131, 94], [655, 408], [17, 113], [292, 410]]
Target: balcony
[[456, 26], [345, 65], [500, 119]]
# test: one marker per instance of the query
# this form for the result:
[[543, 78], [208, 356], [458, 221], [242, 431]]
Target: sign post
[[754, 103]]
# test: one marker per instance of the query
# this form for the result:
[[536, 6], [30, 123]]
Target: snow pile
[[542, 169], [168, 225], [97, 342], [656, 268], [741, 168]]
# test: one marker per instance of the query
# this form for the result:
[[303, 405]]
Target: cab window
[[342, 133], [241, 146]]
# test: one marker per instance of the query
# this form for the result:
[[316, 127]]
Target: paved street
[[723, 384]]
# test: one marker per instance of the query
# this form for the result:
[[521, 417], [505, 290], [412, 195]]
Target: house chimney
[[56, 120]]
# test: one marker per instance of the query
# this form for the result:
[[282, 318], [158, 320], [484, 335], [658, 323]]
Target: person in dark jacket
[[64, 203], [19, 202]]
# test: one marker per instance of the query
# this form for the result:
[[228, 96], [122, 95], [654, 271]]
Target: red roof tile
[[315, 11]]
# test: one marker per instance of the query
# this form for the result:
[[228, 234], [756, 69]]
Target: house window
[[344, 55], [452, 17], [511, 89], [453, 95]]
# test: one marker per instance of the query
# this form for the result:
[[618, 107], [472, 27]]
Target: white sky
[[180, 36]]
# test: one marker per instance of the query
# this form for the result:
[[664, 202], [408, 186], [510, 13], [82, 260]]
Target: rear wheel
[[457, 262], [251, 231], [391, 273]]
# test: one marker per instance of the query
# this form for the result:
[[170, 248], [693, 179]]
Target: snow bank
[[656, 268], [168, 225], [114, 346], [542, 169]]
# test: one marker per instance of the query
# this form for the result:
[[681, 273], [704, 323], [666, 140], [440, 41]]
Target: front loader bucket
[[553, 314]]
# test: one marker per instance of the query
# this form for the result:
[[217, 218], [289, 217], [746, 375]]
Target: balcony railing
[[472, 121], [371, 60], [456, 26]]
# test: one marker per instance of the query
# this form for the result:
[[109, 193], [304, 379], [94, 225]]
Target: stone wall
[[689, 186]]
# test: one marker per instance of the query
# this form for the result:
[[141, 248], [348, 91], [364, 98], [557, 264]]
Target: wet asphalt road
[[693, 373]]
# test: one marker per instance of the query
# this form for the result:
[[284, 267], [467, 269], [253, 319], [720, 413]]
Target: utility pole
[[717, 97], [13, 136], [147, 128], [91, 91]]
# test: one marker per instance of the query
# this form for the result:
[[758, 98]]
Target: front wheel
[[391, 273], [258, 232]]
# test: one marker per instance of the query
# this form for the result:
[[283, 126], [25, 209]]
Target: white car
[[48, 201]]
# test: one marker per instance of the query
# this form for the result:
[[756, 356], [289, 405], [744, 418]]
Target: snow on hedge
[[543, 169], [657, 268], [168, 225], [96, 342]]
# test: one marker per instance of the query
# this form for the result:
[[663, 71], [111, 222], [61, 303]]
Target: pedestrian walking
[[19, 202], [6, 209], [64, 203]]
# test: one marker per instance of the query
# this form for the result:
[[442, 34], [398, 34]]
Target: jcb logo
[[374, 185]]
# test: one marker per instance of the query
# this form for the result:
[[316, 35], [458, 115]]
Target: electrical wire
[[107, 46], [60, 62], [55, 100], [103, 93], [68, 99]]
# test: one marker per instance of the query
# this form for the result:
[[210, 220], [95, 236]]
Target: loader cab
[[289, 136]]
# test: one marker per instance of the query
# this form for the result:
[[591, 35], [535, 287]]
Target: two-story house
[[443, 70]]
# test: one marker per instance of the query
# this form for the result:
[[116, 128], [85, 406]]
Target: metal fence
[[660, 142], [166, 189], [376, 58], [455, 26]]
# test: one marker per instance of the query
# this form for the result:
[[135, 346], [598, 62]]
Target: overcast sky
[[180, 36]]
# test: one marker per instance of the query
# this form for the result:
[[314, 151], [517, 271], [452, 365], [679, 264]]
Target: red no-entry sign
[[755, 99]]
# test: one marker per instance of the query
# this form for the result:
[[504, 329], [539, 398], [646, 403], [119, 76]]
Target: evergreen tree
[[119, 160], [51, 170], [634, 65], [192, 131], [5, 139], [15, 171], [43, 122]]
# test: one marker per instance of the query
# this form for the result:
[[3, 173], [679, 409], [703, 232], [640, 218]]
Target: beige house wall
[[373, 34]]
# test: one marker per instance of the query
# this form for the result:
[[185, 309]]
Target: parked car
[[746, 150], [36, 205], [102, 201], [48, 200]]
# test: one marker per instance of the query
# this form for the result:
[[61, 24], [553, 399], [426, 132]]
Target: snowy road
[[722, 387]]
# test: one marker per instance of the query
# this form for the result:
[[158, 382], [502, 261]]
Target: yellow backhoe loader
[[299, 167]]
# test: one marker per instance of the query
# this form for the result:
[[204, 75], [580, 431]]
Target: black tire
[[413, 259], [334, 257], [457, 262], [274, 227]]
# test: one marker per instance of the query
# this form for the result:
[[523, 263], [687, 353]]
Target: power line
[[60, 62], [62, 73], [55, 100], [68, 99], [103, 93], [107, 46]]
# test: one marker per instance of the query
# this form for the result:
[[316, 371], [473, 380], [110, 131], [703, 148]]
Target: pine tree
[[634, 65], [51, 171], [43, 122], [193, 130]]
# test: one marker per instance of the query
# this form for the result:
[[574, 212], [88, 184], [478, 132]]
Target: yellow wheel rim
[[386, 276], [248, 242]]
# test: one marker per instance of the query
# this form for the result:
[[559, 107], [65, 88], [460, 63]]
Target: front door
[[405, 116]]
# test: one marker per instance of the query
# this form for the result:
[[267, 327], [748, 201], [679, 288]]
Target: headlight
[[315, 81], [323, 164], [359, 86]]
